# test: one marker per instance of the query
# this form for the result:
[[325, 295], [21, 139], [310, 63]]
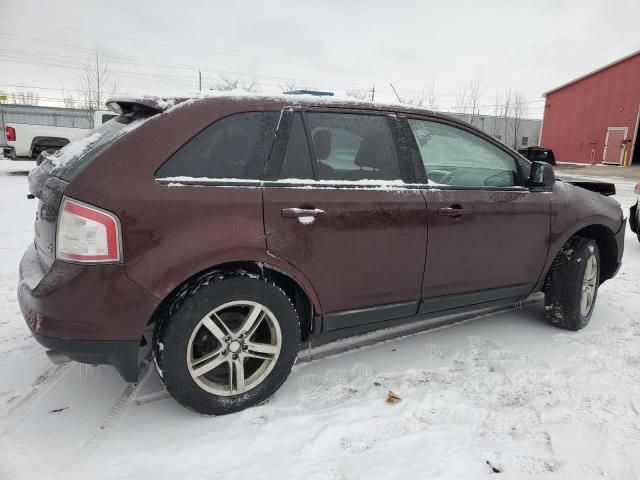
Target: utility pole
[[373, 93], [394, 91], [199, 81]]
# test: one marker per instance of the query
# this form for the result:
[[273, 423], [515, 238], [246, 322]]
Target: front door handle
[[301, 212], [453, 211]]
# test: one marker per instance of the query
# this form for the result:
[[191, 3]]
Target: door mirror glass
[[542, 175]]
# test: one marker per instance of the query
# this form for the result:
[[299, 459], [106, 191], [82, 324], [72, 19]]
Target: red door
[[344, 219]]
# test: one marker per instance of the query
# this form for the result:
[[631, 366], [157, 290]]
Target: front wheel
[[228, 345], [572, 284]]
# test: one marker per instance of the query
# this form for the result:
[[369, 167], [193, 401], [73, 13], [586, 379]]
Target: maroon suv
[[244, 227]]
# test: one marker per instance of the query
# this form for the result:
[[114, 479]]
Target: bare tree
[[25, 98], [225, 83], [461, 100], [497, 116], [506, 111], [358, 93], [68, 100], [519, 112], [432, 96], [474, 91], [289, 86], [97, 84], [467, 100]]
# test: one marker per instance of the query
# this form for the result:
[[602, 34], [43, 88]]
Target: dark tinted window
[[297, 161], [453, 156], [236, 146], [75, 156], [353, 147], [107, 116]]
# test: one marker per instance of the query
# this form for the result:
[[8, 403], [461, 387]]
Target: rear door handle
[[301, 212], [453, 211]]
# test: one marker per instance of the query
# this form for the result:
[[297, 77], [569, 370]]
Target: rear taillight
[[11, 134], [87, 234]]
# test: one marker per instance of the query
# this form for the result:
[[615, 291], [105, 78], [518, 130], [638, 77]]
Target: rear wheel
[[229, 344], [572, 284]]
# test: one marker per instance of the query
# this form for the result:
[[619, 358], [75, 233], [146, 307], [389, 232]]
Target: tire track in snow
[[43, 384], [119, 407]]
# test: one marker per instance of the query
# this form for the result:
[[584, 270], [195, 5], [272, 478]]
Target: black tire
[[172, 337], [638, 220], [564, 288]]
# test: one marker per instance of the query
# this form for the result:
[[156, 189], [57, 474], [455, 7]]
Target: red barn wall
[[577, 116]]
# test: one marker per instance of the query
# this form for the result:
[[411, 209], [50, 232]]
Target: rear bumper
[[8, 152], [122, 354], [91, 313]]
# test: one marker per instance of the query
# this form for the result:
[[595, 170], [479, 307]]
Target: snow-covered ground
[[504, 392]]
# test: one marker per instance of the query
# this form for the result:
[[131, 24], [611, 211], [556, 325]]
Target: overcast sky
[[526, 46]]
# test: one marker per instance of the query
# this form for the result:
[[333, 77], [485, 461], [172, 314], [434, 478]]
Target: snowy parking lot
[[502, 393]]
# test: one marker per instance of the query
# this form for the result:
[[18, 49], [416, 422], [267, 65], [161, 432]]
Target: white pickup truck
[[29, 130]]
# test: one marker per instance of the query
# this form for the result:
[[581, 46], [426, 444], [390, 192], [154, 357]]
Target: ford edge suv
[[240, 228]]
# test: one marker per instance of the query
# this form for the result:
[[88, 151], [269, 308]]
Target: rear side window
[[353, 147], [75, 156], [236, 146]]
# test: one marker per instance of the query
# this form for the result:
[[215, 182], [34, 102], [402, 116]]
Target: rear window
[[70, 160], [236, 146]]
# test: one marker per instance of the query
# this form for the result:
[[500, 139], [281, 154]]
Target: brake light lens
[[11, 134], [87, 234]]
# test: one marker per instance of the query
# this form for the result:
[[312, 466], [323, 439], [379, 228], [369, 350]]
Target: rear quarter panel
[[171, 233]]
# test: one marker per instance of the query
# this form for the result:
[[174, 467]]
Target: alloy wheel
[[589, 283], [234, 348]]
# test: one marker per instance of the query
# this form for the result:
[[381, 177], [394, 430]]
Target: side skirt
[[354, 322], [345, 340]]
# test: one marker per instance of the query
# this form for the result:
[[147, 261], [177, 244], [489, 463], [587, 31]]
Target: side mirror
[[542, 175]]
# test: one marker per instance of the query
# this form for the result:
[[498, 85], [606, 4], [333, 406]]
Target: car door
[[488, 233], [337, 210]]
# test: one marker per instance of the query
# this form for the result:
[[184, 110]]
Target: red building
[[594, 118]]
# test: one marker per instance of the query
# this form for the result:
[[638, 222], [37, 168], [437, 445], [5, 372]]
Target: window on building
[[525, 141]]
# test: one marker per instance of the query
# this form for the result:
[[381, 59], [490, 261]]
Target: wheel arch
[[305, 301], [48, 141], [607, 246]]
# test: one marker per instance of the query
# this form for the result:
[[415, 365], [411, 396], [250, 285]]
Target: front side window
[[452, 156], [352, 147], [236, 146]]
